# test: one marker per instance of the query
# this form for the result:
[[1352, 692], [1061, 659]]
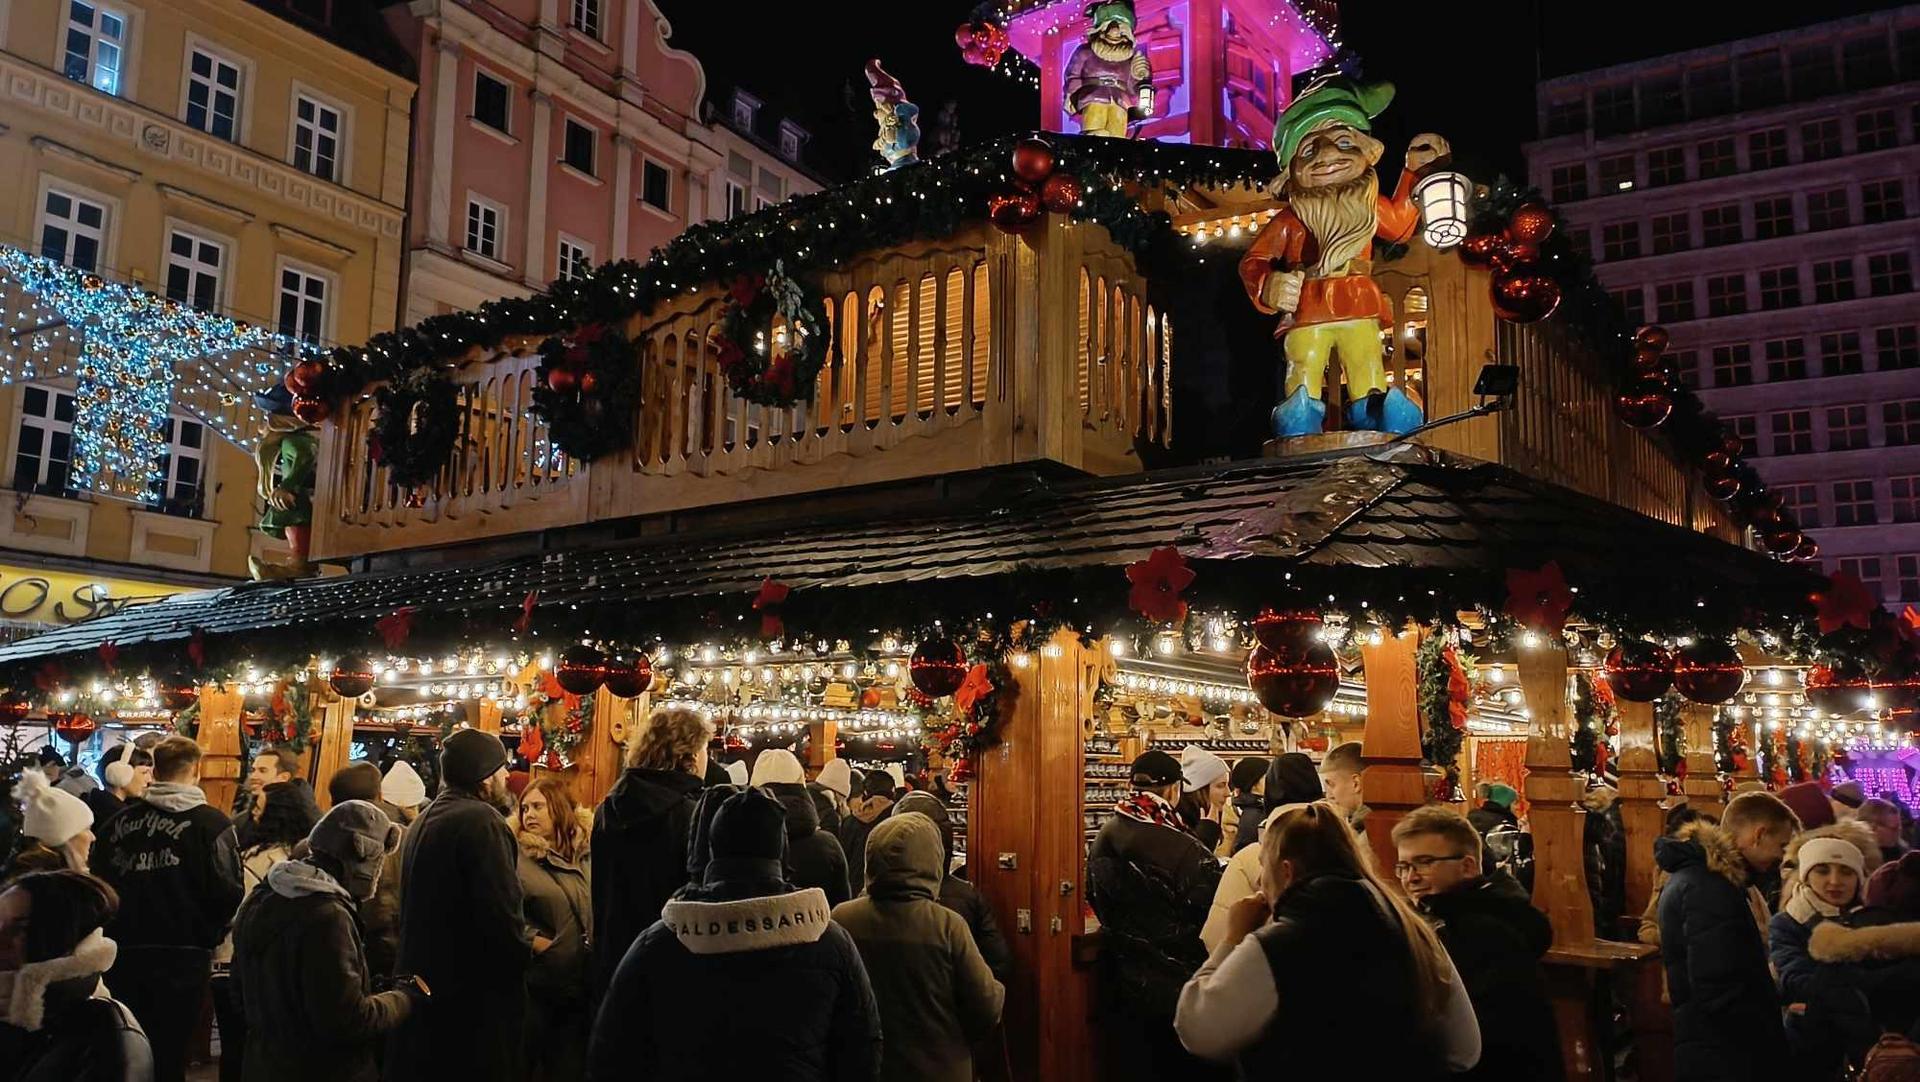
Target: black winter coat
[[1152, 887], [80, 1039], [829, 811], [104, 806], [814, 857], [1489, 817], [1253, 815], [1726, 1014], [1496, 937], [177, 873], [640, 858], [462, 930]]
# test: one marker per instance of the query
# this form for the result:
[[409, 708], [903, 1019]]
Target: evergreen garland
[[1593, 724], [1672, 748], [1444, 692], [589, 391]]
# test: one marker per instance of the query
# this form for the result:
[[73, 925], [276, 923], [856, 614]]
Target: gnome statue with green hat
[[1311, 264], [1109, 82]]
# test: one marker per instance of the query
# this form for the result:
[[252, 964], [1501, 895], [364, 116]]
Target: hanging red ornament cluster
[[1037, 188], [628, 676], [1521, 291], [938, 667], [14, 708], [1708, 671], [581, 670], [315, 386], [982, 43], [1646, 400], [1291, 627], [1638, 671]]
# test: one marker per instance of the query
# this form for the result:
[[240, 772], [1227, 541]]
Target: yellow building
[[245, 158]]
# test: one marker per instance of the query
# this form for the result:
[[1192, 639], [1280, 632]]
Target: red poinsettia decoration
[[1158, 582], [768, 602], [780, 375], [397, 628], [526, 611], [1539, 599], [978, 685], [110, 655], [1846, 602], [532, 741], [197, 648], [729, 355]]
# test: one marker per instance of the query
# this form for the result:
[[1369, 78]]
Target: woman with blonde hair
[[1327, 971], [640, 832], [554, 880]]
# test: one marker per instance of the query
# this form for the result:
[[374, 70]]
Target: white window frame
[[330, 290], [588, 18], [176, 453], [102, 235], [48, 426], [474, 199], [473, 100], [95, 37], [568, 122], [572, 252], [738, 199], [342, 136], [647, 163], [243, 82], [220, 273], [791, 140], [746, 110]]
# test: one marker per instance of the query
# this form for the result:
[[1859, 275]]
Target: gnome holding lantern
[[1109, 80], [899, 119], [288, 457], [1311, 264]]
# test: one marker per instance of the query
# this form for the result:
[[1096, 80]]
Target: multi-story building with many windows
[[1761, 199]]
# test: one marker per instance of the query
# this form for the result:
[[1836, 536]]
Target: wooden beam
[[1554, 812], [1393, 783], [1702, 785], [335, 748], [1641, 791], [219, 738]]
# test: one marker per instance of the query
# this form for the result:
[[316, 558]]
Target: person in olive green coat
[[936, 994]]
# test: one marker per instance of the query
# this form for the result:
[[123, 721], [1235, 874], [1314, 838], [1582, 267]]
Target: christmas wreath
[[764, 364], [1445, 692], [982, 706], [415, 425], [1595, 723], [588, 392], [550, 737], [1671, 749]]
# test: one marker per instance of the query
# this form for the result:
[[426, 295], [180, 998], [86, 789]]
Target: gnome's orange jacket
[[1284, 244]]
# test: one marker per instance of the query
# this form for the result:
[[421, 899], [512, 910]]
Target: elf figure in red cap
[[899, 119]]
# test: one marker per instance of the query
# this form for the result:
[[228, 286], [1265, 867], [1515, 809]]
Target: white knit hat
[[53, 817], [1818, 851], [1200, 768], [777, 765], [403, 787], [737, 773], [898, 775], [838, 777]]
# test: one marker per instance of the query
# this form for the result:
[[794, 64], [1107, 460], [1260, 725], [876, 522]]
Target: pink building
[[1759, 199], [553, 135]]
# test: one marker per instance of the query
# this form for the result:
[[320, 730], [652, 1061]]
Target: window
[[1853, 506], [1889, 273], [1726, 294], [736, 199], [1906, 501], [303, 305], [1840, 354], [72, 230], [1866, 61], [1902, 421], [1632, 302], [213, 94], [182, 468], [1732, 366], [1710, 90], [194, 265], [1909, 576], [1773, 217], [1792, 432], [492, 102], [316, 138], [1814, 74], [1779, 288], [1767, 149], [1897, 348], [1687, 363], [1846, 427], [1802, 502], [1568, 182], [1786, 359], [1670, 233], [1661, 100], [1566, 116], [579, 146], [586, 17], [1720, 225], [1760, 81], [1882, 201], [1827, 210], [576, 259], [1616, 174], [485, 228], [1715, 157], [1666, 165], [1833, 281], [1582, 242], [791, 139], [1620, 240], [656, 186], [96, 44], [1864, 568], [1820, 139], [46, 440], [1873, 130], [746, 110], [1673, 301], [1613, 108], [1747, 428]]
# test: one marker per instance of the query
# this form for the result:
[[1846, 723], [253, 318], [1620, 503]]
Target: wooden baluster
[[1641, 791], [1393, 782], [1702, 786], [1554, 812]]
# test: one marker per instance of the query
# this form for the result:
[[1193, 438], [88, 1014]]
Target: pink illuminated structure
[[1222, 69]]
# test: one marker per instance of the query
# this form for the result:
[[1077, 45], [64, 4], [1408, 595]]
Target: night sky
[[1465, 70]]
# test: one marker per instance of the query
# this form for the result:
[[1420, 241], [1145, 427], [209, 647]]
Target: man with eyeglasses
[[1494, 935]]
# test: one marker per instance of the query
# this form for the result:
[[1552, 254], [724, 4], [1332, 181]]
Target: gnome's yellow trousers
[[1104, 118], [1355, 341]]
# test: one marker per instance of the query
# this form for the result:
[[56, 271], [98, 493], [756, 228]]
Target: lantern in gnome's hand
[[1109, 81], [1310, 264]]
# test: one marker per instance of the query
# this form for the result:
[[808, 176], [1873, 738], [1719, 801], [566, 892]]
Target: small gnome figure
[[1109, 80], [288, 458], [899, 119]]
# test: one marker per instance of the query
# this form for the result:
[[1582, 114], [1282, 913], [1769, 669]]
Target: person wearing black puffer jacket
[[814, 857], [956, 893], [57, 1021]]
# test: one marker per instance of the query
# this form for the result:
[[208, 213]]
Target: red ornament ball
[[1807, 549], [563, 380], [1013, 212], [14, 708], [581, 670], [590, 383], [1524, 295], [178, 692], [304, 379], [1833, 689], [1722, 486], [1515, 253], [1295, 686], [1639, 671], [1718, 460], [312, 411], [1531, 223], [1033, 160], [627, 677], [352, 676], [1652, 336], [1733, 445], [75, 727], [1289, 630], [1783, 540], [1650, 362], [1708, 671], [1061, 193], [1644, 403], [1481, 249], [938, 667]]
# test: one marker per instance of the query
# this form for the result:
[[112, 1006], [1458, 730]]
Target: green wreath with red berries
[[415, 424], [589, 391], [761, 365]]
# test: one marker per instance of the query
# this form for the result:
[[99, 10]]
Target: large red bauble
[[1807, 549], [1288, 630], [1481, 249], [1718, 460], [563, 380], [1061, 193], [352, 676], [1782, 540], [1298, 686], [1639, 671], [1033, 160], [1733, 445], [627, 677], [1652, 336], [581, 671], [1722, 486], [1644, 403], [1708, 671], [590, 383], [14, 708], [305, 379], [311, 411], [76, 727], [1531, 223], [178, 692], [938, 667], [1523, 294], [1650, 362], [1836, 689], [1013, 212]]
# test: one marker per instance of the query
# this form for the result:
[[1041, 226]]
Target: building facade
[[246, 158], [1761, 200]]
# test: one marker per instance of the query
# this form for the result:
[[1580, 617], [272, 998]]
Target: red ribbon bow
[[1158, 582], [1539, 599], [975, 687], [394, 630], [768, 603], [110, 655], [1845, 602], [197, 648], [526, 611]]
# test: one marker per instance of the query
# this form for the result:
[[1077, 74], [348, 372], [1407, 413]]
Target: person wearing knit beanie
[[737, 774], [470, 759], [402, 787], [57, 823], [1204, 794], [1895, 887], [1810, 803], [837, 776], [777, 765], [1200, 768]]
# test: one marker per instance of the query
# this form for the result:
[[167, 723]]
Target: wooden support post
[[821, 748], [598, 759], [335, 748], [1554, 811], [1641, 791], [219, 740], [1703, 789], [1393, 782], [485, 715]]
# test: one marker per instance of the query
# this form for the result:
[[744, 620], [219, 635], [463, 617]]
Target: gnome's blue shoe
[[1299, 415], [1391, 412]]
